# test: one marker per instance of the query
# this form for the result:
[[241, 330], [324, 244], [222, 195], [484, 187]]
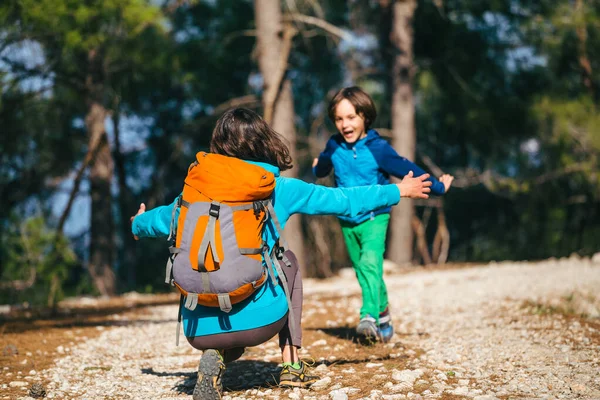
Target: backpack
[[217, 255]]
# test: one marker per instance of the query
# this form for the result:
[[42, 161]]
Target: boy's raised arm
[[398, 166]]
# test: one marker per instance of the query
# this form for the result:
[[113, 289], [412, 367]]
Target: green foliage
[[36, 257], [573, 123]]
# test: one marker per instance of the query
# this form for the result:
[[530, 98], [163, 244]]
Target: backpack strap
[[191, 301], [181, 297], [282, 242], [172, 225], [209, 237], [224, 302], [270, 266], [288, 297], [169, 268], [205, 282]]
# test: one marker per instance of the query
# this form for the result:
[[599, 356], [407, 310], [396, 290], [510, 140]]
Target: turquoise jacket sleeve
[[156, 222], [296, 196]]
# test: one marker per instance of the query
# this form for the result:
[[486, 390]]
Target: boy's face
[[350, 125]]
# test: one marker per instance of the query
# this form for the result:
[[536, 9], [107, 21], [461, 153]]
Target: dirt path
[[511, 330]]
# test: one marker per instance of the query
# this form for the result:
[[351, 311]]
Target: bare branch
[[234, 35], [419, 229], [441, 241], [91, 154], [321, 23], [437, 171], [463, 85], [548, 176]]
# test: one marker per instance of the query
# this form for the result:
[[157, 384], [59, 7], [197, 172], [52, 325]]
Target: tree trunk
[[126, 207], [101, 226], [403, 122], [585, 64], [270, 34]]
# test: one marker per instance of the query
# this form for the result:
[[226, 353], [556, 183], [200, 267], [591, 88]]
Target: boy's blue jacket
[[368, 161], [268, 304]]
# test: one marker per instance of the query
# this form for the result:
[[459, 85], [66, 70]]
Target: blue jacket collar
[[271, 168], [371, 135]]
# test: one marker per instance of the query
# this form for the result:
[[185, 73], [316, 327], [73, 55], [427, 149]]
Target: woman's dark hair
[[242, 133], [362, 102]]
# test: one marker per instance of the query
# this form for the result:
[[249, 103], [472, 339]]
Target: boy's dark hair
[[362, 102], [243, 134]]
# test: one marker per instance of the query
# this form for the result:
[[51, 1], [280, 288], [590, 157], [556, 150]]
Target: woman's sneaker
[[367, 328], [209, 385], [291, 377], [386, 329]]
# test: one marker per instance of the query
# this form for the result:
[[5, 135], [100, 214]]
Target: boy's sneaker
[[209, 385], [291, 377], [367, 328], [386, 329]]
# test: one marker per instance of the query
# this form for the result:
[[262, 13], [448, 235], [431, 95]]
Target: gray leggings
[[234, 342]]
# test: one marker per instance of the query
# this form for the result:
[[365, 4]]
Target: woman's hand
[[415, 188], [315, 162], [446, 179], [141, 210]]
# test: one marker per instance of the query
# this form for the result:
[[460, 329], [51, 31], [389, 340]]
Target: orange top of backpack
[[229, 180]]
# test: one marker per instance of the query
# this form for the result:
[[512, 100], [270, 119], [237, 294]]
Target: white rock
[[338, 395], [15, 384], [322, 368], [321, 342], [321, 383], [460, 391], [406, 376]]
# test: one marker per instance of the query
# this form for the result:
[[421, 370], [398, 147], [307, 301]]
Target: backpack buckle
[[257, 206], [214, 211]]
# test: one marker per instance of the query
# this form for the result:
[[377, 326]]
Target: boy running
[[359, 156]]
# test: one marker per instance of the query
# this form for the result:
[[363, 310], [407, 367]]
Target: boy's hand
[[415, 188], [446, 179], [140, 211], [315, 162]]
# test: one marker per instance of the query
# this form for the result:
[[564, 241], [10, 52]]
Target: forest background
[[104, 103]]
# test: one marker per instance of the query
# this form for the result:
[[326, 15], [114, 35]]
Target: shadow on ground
[[239, 376], [346, 333]]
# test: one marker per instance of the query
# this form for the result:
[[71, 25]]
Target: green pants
[[366, 245]]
